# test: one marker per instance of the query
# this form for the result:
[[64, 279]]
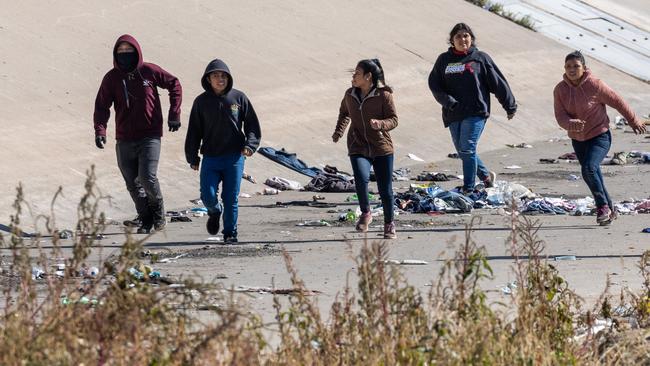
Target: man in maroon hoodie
[[131, 88]]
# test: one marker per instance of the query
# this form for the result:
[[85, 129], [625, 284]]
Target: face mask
[[127, 61]]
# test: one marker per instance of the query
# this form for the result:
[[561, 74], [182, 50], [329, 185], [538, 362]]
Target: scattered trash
[[314, 223], [167, 260], [522, 145], [414, 157], [270, 191], [509, 288], [276, 291], [249, 178], [180, 219], [244, 195], [355, 198], [196, 201], [573, 177], [453, 155], [317, 198], [283, 184], [548, 161], [144, 273], [65, 234], [512, 167], [619, 158], [84, 300], [214, 238], [199, 209], [349, 216], [406, 262], [37, 273], [565, 258]]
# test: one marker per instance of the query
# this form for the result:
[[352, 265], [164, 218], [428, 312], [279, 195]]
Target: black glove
[[100, 141], [174, 125]]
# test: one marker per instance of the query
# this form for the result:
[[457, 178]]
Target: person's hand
[[336, 137], [375, 124], [194, 166], [576, 125], [638, 127], [511, 115], [247, 151], [174, 125], [100, 141]]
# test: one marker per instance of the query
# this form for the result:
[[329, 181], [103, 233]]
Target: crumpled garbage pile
[[425, 198]]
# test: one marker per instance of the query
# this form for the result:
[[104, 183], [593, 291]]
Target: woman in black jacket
[[461, 81]]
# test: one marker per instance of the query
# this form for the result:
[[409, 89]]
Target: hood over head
[[216, 65], [129, 39]]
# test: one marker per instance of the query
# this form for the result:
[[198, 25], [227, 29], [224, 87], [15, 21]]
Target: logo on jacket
[[147, 83], [234, 110], [458, 68]]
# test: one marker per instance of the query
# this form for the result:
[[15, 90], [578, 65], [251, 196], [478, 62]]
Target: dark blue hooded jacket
[[462, 84], [220, 124]]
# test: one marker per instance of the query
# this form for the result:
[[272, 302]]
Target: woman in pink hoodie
[[579, 102]]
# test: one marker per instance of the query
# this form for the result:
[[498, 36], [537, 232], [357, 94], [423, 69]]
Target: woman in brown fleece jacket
[[369, 109], [579, 102]]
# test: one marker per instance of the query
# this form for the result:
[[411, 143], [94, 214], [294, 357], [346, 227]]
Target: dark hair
[[373, 66], [576, 55], [461, 27]]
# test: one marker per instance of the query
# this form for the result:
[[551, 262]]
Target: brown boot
[[389, 231], [364, 220]]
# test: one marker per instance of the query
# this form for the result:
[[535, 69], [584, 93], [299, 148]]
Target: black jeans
[[383, 166], [590, 154], [138, 162]]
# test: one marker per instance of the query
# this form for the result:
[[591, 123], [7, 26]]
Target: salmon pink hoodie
[[587, 102]]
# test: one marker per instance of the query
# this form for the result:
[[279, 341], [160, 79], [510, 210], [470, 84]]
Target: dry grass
[[381, 320]]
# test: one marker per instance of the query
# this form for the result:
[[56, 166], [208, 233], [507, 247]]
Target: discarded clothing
[[568, 156], [326, 182], [541, 206], [289, 160], [283, 184], [435, 177]]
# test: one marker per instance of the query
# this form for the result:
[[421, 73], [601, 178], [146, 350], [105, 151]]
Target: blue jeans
[[227, 169], [590, 154], [383, 166], [465, 135]]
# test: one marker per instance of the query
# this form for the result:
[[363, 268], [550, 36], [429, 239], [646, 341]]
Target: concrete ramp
[[600, 34], [291, 57]]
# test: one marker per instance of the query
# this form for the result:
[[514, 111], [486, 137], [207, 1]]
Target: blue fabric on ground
[[290, 160]]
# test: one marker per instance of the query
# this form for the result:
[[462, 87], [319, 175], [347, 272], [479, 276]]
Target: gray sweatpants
[[138, 163]]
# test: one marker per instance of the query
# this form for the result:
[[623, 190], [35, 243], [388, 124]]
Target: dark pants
[[590, 154], [383, 166], [226, 170], [138, 162]]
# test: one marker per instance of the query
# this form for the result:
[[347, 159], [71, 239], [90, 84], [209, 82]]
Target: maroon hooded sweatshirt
[[135, 97]]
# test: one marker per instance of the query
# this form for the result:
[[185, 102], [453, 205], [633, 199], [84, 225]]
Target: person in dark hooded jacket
[[131, 88], [461, 81], [224, 128]]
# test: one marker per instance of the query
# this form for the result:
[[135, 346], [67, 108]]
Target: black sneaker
[[230, 239], [158, 225], [136, 222], [144, 229], [213, 223]]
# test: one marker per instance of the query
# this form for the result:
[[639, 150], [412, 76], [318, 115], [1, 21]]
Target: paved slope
[[292, 59]]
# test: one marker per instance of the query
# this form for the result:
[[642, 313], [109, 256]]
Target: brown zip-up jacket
[[363, 139]]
